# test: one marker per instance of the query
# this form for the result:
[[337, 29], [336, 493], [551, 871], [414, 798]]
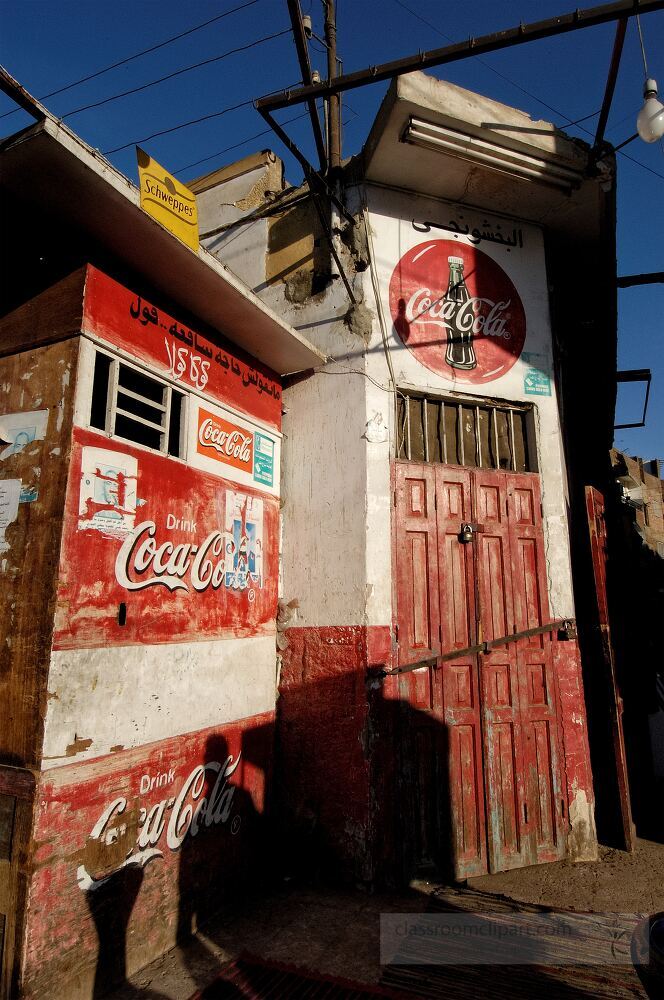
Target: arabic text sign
[[167, 200], [489, 232], [132, 323]]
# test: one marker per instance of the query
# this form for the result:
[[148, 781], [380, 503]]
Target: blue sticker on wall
[[263, 459], [28, 494], [536, 380], [536, 383]]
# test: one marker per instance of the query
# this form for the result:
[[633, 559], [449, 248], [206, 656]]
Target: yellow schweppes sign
[[167, 200]]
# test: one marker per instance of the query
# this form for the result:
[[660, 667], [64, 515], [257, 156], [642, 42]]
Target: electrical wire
[[176, 128], [643, 49], [177, 72], [227, 149], [143, 52], [491, 68], [527, 92]]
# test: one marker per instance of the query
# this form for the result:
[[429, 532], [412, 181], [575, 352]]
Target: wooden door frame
[[595, 507]]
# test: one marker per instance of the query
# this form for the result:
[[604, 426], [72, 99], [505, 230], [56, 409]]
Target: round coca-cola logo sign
[[457, 311]]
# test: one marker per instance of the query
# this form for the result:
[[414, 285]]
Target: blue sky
[[47, 44]]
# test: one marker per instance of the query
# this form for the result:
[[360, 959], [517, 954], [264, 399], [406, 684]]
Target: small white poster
[[10, 491]]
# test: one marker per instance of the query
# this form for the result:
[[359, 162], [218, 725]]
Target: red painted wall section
[[324, 747], [191, 556], [204, 361], [134, 850], [574, 725]]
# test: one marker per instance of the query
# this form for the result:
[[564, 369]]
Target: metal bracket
[[407, 669]]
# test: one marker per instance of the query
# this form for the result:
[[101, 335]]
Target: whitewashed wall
[[393, 234]]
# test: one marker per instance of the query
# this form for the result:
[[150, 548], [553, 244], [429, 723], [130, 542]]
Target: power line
[[143, 52], [176, 128], [491, 68], [242, 142], [178, 72], [527, 92], [227, 149]]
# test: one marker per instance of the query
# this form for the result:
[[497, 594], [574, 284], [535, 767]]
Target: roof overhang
[[437, 139], [68, 179]]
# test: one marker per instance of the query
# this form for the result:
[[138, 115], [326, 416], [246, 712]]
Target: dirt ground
[[337, 932], [621, 882]]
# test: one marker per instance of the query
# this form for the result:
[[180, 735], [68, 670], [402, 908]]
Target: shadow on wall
[[346, 804], [341, 803]]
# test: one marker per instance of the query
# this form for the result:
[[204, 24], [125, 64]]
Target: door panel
[[538, 703], [460, 683], [417, 579], [483, 726], [503, 752]]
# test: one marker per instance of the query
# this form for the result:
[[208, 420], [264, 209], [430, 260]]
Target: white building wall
[[392, 214]]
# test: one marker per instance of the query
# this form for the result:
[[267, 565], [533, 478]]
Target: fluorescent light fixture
[[490, 154]]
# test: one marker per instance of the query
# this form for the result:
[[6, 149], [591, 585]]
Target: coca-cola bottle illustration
[[460, 351]]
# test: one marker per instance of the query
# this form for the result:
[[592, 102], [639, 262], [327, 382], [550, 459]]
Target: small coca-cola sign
[[457, 311]]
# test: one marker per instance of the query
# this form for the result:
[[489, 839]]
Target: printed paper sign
[[263, 459], [225, 442], [536, 380], [536, 383], [107, 499], [10, 491], [19, 429]]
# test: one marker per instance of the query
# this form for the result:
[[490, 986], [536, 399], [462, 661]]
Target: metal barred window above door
[[479, 435]]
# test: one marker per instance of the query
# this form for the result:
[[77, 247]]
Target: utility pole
[[334, 103], [300, 38]]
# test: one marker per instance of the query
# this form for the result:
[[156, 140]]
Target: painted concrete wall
[[158, 731], [103, 701], [136, 849]]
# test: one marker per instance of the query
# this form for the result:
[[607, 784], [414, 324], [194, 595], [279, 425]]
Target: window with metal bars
[[129, 404], [479, 435]]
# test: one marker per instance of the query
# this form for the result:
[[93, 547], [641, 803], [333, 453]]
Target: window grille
[[131, 405], [478, 435]]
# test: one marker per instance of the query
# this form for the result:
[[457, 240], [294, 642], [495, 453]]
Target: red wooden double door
[[480, 748]]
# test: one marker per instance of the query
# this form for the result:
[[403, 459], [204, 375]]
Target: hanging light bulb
[[650, 120]]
